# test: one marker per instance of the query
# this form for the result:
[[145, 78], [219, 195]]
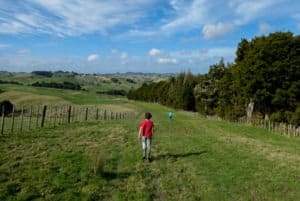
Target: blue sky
[[97, 36]]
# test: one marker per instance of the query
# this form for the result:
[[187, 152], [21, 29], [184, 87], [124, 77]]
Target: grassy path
[[196, 159]]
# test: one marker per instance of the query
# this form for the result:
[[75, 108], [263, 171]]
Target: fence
[[32, 117], [275, 127]]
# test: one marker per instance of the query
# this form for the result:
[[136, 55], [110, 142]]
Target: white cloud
[[124, 55], [167, 61], [154, 52], [93, 57], [69, 18], [264, 28], [247, 10], [298, 26], [189, 16], [3, 45], [23, 52], [211, 31]]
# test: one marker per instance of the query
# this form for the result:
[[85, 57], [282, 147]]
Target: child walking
[[145, 133]]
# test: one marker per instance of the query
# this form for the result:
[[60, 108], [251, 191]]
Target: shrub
[[278, 117], [115, 80], [114, 92], [7, 106], [43, 73], [131, 81]]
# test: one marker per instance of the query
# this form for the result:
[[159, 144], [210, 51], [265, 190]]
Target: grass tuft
[[99, 162]]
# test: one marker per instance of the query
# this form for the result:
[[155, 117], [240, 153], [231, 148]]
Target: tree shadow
[[114, 175], [183, 155]]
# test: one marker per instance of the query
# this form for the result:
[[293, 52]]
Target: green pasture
[[21, 94], [193, 159], [92, 83]]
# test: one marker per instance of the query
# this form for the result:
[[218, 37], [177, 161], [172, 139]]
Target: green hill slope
[[194, 159]]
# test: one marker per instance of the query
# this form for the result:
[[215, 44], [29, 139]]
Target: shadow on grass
[[183, 155], [113, 175]]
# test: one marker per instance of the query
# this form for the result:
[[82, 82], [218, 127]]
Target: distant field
[[194, 159], [18, 92], [90, 82]]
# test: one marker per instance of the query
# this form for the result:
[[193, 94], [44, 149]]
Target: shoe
[[149, 160]]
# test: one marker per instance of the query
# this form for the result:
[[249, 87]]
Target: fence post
[[37, 116], [43, 116], [12, 120], [86, 113], [50, 114], [30, 113], [69, 114], [55, 115], [21, 118], [104, 115], [3, 117], [97, 114]]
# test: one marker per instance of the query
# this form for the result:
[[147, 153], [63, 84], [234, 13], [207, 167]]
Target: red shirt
[[147, 126]]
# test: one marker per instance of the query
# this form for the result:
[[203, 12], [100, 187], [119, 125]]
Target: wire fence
[[275, 127], [26, 118]]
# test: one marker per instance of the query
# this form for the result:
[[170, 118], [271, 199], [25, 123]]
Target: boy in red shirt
[[145, 133]]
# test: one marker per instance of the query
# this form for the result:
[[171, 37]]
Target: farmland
[[193, 158]]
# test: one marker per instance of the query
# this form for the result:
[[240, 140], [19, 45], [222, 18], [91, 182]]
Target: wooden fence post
[[43, 116], [21, 118], [55, 115], [37, 117], [12, 119], [30, 113], [3, 117], [60, 120], [97, 114], [69, 114], [104, 115], [50, 114], [73, 114], [86, 114]]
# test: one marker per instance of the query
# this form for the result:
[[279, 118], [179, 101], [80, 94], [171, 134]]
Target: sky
[[157, 36]]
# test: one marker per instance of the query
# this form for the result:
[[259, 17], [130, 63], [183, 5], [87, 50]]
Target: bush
[[7, 106], [43, 73], [131, 81], [64, 85], [278, 117], [10, 82], [115, 80], [114, 92], [294, 117]]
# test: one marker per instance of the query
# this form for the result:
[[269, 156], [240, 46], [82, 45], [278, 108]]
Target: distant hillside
[[90, 82]]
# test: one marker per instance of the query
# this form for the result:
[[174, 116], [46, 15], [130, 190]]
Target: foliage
[[115, 80], [43, 73], [266, 72], [9, 82], [7, 106], [114, 92], [131, 81], [64, 85], [177, 93]]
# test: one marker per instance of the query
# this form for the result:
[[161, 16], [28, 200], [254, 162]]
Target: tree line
[[265, 74], [64, 85]]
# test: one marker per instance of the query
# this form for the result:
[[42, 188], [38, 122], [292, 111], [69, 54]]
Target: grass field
[[194, 159]]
